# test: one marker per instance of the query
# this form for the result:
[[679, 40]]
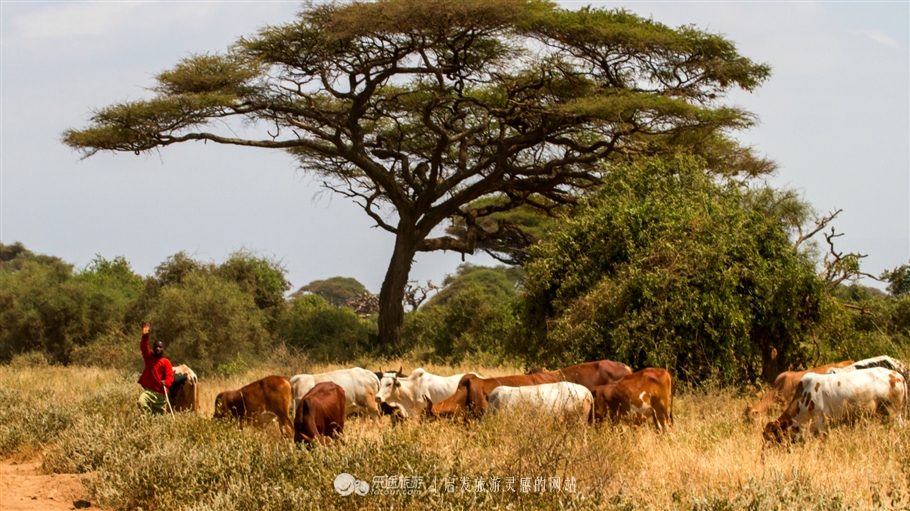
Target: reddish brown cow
[[270, 395], [471, 394], [645, 392], [784, 387], [593, 374], [320, 414]]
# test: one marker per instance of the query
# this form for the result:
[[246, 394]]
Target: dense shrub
[[325, 332], [206, 321], [468, 319], [667, 267], [45, 307]]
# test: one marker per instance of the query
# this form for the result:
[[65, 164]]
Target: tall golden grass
[[85, 420]]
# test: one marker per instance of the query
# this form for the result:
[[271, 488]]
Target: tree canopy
[[417, 108]]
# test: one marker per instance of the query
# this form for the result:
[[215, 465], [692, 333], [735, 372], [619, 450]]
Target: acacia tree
[[416, 108]]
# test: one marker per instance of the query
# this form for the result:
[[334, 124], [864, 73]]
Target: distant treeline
[[663, 267]]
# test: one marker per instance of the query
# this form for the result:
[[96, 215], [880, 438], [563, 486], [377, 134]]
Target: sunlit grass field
[[85, 420]]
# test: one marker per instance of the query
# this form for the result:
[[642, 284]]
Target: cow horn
[[399, 371]]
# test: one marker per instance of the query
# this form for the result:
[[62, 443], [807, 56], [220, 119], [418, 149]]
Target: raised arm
[[144, 343]]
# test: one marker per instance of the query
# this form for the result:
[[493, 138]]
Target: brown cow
[[320, 414], [784, 387], [593, 374], [472, 391], [646, 392], [268, 396]]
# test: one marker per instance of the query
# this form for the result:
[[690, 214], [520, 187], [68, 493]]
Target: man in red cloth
[[157, 376]]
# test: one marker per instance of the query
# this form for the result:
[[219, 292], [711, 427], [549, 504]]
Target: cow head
[[229, 405], [475, 397], [780, 431], [389, 387]]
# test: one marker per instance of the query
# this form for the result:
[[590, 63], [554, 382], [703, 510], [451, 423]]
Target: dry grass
[[84, 420]]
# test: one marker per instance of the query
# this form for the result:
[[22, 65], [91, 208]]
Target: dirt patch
[[24, 488]]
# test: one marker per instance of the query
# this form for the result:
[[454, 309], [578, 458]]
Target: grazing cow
[[648, 392], [360, 388], [562, 399], [183, 393], [412, 395], [472, 391], [320, 414], [270, 396], [591, 374], [781, 392], [821, 398]]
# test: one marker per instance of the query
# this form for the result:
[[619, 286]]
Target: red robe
[[156, 369]]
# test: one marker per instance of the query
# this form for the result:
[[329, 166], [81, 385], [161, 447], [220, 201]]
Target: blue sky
[[835, 115]]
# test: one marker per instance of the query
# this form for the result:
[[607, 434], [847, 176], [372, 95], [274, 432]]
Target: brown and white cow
[[412, 395], [591, 374], [270, 396], [183, 393], [647, 393], [471, 394], [784, 386], [824, 398], [320, 414], [360, 388]]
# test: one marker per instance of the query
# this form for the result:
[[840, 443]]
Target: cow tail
[[243, 405], [672, 394]]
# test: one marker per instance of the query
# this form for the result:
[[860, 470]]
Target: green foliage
[[468, 319], [518, 227], [666, 267], [499, 283], [206, 321], [898, 280], [325, 332], [338, 291], [263, 278], [44, 307]]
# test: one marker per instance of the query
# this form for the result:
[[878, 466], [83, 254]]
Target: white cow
[[882, 361], [561, 399], [824, 398], [359, 387], [412, 395]]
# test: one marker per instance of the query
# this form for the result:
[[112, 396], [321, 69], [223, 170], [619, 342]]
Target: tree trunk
[[391, 296]]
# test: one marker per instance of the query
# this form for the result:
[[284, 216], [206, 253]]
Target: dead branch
[[821, 224], [415, 294]]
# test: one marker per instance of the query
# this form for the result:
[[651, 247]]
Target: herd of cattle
[[592, 391]]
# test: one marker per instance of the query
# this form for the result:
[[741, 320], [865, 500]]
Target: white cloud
[[61, 21], [879, 37]]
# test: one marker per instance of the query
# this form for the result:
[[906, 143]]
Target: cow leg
[[372, 408], [660, 415]]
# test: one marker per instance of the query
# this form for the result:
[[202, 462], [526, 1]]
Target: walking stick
[[168, 401]]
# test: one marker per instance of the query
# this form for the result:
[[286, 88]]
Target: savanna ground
[[82, 423]]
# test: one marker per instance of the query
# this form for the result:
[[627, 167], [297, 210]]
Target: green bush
[[206, 321], [325, 332], [468, 319], [338, 291], [667, 267], [44, 307]]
